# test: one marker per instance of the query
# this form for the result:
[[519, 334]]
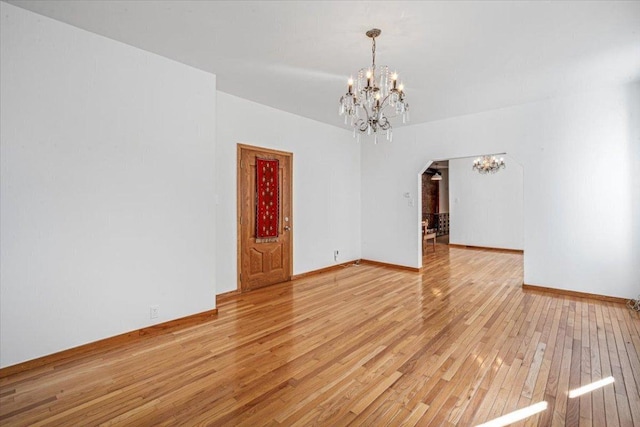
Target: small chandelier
[[376, 94], [488, 164]]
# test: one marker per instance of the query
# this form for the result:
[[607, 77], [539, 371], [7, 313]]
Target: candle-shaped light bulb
[[401, 87], [369, 76], [350, 83], [394, 79]]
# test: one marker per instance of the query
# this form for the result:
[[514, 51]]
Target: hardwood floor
[[460, 344]]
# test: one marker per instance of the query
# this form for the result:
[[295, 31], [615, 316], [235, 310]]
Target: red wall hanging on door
[[267, 200]]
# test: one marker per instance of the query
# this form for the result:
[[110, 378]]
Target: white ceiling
[[454, 57]]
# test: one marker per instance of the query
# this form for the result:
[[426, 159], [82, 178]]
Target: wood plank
[[597, 396], [604, 340], [585, 367]]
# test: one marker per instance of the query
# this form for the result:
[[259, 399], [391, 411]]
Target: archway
[[486, 210]]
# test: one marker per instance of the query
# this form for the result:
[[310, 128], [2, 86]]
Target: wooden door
[[263, 263]]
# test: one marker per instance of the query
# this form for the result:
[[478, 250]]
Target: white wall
[[107, 187], [486, 210], [580, 157], [326, 184]]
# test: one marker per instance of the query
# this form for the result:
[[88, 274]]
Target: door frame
[[266, 151]]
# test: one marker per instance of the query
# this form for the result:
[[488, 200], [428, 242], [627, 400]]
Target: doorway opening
[[435, 201], [464, 207]]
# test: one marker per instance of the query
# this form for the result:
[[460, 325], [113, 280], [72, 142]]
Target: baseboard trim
[[323, 270], [565, 292], [395, 266], [110, 342], [223, 297], [511, 251]]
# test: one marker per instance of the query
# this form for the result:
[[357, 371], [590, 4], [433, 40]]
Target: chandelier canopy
[[488, 164], [376, 97]]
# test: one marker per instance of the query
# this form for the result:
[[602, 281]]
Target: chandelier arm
[[361, 125], [384, 122], [386, 98], [364, 107]]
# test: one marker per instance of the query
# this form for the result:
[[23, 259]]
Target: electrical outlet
[[154, 312], [335, 254]]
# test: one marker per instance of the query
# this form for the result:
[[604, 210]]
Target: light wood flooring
[[459, 344]]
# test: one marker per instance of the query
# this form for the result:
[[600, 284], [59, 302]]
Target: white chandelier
[[488, 164], [376, 94]]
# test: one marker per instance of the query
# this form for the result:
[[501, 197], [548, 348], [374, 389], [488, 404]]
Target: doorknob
[[287, 228]]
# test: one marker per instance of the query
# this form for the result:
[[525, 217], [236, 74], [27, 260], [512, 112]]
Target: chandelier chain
[[373, 53]]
